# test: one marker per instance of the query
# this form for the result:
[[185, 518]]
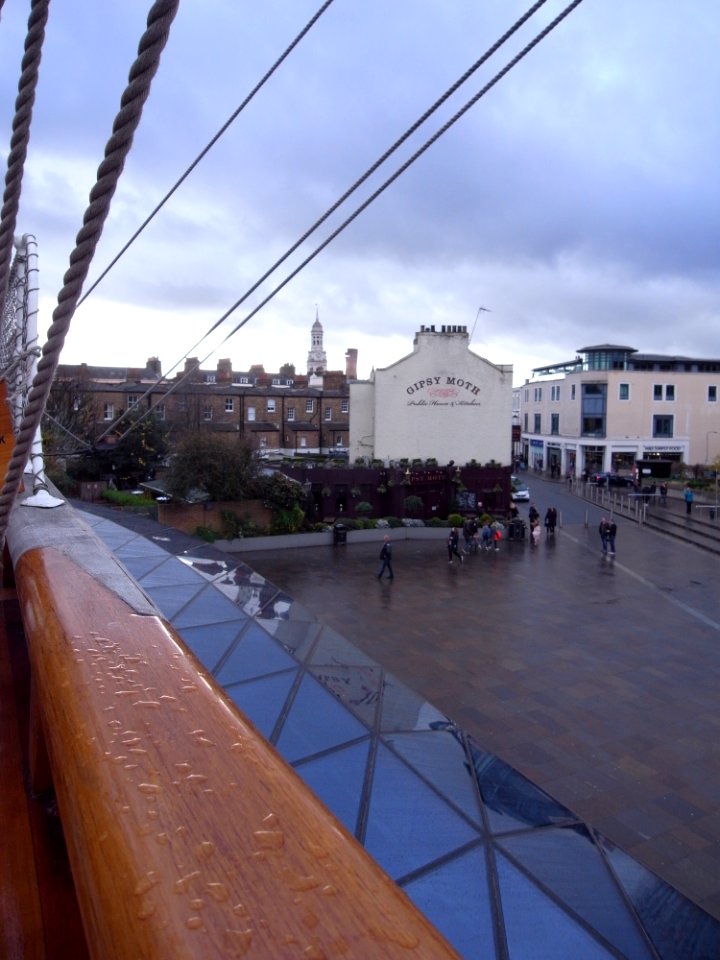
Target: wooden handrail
[[188, 835]]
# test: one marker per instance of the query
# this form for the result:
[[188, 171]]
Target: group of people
[[551, 519]]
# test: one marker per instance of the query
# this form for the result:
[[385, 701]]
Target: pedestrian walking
[[689, 496], [486, 536], [386, 558], [663, 494], [603, 528], [611, 534], [452, 545], [550, 521]]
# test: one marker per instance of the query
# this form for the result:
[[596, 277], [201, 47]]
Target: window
[[339, 442], [537, 421], [207, 412], [657, 391], [132, 400], [210, 378], [669, 391], [251, 414], [328, 414], [344, 405], [271, 406], [594, 397], [303, 441], [572, 391], [229, 404], [527, 395], [108, 411], [525, 422], [276, 381], [662, 426], [289, 383], [538, 394], [624, 391], [309, 406], [291, 413], [243, 380], [182, 404], [555, 423], [555, 392], [712, 394], [160, 411]]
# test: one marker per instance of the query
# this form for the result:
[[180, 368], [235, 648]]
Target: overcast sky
[[578, 201]]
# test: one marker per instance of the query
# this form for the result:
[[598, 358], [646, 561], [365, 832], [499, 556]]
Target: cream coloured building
[[441, 401], [612, 406]]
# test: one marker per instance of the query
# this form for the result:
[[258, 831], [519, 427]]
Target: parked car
[[520, 492], [611, 480]]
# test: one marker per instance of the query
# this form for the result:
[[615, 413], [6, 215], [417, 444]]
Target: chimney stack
[[351, 363]]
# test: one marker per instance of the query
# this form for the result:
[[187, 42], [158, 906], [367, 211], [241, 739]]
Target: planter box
[[325, 539]]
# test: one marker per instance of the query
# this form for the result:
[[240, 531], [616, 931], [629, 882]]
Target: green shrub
[[455, 520], [287, 521], [437, 522], [363, 507], [205, 533], [123, 498], [394, 521]]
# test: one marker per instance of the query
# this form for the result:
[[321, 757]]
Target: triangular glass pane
[[210, 643], [455, 897], [510, 799], [262, 701], [403, 709], [338, 778], [316, 722], [677, 927], [441, 759], [536, 927], [255, 655], [409, 825], [170, 600], [209, 606], [359, 688], [169, 572], [567, 862]]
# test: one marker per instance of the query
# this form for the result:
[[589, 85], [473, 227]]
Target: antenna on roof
[[479, 311]]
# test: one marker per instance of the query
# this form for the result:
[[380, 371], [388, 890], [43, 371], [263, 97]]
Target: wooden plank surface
[[189, 837]]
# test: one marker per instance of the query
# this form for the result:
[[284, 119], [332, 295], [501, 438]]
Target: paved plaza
[[597, 679]]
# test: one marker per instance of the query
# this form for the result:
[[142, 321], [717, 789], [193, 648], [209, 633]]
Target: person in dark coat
[[452, 546], [386, 557], [550, 521]]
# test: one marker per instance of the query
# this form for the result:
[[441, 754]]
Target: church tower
[[317, 361]]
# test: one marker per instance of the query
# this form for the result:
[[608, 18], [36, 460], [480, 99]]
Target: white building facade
[[612, 406], [441, 401]]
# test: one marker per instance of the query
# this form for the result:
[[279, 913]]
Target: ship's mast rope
[[142, 72]]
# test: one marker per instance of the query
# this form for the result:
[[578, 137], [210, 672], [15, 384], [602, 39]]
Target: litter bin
[[516, 529], [339, 533]]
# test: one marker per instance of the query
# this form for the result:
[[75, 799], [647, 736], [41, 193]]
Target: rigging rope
[[358, 183], [150, 48], [20, 138], [308, 26], [356, 213]]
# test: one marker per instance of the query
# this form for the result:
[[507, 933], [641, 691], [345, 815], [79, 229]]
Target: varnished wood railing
[[188, 836]]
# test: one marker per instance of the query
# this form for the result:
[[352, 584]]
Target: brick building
[[283, 412]]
